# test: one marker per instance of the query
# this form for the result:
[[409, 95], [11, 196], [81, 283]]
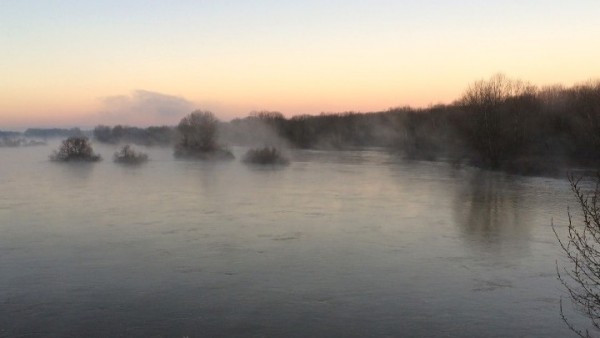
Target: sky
[[150, 62]]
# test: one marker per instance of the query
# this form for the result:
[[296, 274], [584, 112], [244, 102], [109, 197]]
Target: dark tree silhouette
[[103, 134], [584, 104], [499, 123], [198, 137], [198, 131], [265, 156], [52, 132], [150, 136], [581, 277], [75, 149], [495, 110]]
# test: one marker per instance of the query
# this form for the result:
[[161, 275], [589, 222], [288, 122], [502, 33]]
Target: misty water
[[339, 243]]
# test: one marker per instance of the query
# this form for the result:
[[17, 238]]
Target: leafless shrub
[[128, 155], [75, 148], [581, 277], [266, 155]]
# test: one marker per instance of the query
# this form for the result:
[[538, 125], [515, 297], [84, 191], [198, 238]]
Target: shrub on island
[[127, 155], [75, 148], [265, 156]]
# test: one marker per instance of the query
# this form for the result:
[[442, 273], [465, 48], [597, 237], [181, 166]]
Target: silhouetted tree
[[419, 141], [198, 131], [584, 104], [300, 131], [198, 136], [266, 155], [75, 149], [499, 123], [495, 113], [103, 134], [162, 135], [267, 116]]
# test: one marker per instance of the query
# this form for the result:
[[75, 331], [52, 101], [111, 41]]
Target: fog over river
[[337, 244]]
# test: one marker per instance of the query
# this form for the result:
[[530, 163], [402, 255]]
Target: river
[[337, 244]]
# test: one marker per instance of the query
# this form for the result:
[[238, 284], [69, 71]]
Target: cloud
[[144, 107]]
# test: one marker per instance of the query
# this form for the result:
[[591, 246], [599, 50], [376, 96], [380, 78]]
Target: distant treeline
[[16, 139], [150, 136], [403, 129], [498, 123], [9, 134], [52, 132]]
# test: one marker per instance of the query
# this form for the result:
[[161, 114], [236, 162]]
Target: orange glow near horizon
[[82, 108], [82, 65]]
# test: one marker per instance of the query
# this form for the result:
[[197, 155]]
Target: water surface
[[349, 244]]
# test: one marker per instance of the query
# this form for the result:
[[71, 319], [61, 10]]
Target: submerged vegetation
[[75, 149], [127, 155], [266, 156]]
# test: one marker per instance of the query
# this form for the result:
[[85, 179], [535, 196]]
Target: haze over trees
[[151, 136], [258, 129], [198, 137], [498, 123], [32, 136], [17, 141], [52, 132], [128, 155], [266, 156]]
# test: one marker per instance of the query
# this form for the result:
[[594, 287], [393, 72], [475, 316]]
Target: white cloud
[[144, 107]]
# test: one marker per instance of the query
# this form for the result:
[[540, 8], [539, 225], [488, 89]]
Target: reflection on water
[[356, 243], [490, 208], [76, 171]]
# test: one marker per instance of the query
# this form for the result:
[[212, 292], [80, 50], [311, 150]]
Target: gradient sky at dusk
[[65, 63]]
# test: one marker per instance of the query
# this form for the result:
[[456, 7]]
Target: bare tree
[[584, 104], [198, 137], [198, 131], [495, 111], [128, 155], [581, 277]]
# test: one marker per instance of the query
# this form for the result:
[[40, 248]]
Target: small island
[[75, 149], [265, 156], [128, 155]]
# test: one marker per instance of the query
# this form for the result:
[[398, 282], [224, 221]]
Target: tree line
[[498, 123]]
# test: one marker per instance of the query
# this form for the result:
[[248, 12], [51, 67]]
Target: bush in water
[[128, 155], [75, 148], [266, 155]]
